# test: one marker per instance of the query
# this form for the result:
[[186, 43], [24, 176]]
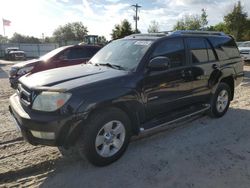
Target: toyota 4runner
[[131, 86]]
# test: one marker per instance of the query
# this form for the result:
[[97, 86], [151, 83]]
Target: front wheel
[[220, 100], [105, 137]]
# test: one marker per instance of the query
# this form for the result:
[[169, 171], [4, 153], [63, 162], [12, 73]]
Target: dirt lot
[[202, 153]]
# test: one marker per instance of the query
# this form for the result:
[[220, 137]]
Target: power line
[[136, 17]]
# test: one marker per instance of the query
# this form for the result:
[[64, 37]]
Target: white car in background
[[244, 49]]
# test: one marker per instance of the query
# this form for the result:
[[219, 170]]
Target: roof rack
[[160, 34], [196, 32]]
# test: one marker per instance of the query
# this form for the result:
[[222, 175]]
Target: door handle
[[186, 73], [215, 66]]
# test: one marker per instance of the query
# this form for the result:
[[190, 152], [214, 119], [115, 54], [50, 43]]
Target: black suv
[[131, 86]]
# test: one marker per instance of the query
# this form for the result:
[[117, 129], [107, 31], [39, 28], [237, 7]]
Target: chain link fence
[[31, 50]]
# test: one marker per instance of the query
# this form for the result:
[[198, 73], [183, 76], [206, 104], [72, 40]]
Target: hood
[[26, 63], [244, 48], [71, 77], [16, 51]]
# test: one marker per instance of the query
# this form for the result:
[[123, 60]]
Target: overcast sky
[[34, 17]]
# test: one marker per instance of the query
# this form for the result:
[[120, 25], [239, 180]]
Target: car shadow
[[201, 151]]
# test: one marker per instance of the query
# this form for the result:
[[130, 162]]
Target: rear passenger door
[[204, 63]]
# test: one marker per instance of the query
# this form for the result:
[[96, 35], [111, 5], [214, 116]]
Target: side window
[[198, 50], [225, 47], [76, 53], [173, 49], [230, 48], [90, 52], [210, 52]]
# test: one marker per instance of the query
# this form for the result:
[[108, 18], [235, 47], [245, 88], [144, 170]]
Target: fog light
[[44, 135]]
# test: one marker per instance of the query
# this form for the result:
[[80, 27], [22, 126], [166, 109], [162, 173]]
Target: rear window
[[225, 47]]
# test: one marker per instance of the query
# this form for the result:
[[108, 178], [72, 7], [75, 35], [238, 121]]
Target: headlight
[[24, 70], [13, 71], [50, 101]]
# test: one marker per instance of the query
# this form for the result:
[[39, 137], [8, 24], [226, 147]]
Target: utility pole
[[136, 17]]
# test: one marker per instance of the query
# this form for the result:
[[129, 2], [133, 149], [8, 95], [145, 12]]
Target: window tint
[[197, 48], [225, 47], [90, 52], [76, 53], [173, 49], [210, 52]]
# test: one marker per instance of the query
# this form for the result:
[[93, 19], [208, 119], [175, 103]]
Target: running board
[[168, 123]]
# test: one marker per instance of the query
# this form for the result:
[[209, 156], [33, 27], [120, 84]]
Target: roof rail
[[160, 34], [197, 32]]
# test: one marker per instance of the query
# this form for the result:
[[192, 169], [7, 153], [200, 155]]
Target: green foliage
[[203, 19], [153, 27], [3, 39], [102, 40], [219, 27], [18, 38], [122, 30], [192, 22], [70, 32], [236, 21]]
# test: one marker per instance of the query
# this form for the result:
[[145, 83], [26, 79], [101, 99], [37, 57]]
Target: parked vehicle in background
[[131, 86], [244, 49], [60, 57], [239, 43], [13, 53], [92, 40]]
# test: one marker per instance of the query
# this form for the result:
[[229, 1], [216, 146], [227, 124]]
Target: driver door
[[169, 89]]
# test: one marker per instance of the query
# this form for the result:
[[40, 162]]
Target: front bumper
[[246, 57], [41, 128]]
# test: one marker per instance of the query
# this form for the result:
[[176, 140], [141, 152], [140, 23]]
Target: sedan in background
[[60, 57], [244, 49]]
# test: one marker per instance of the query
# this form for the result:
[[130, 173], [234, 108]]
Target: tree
[[153, 27], [236, 21], [219, 27], [19, 38], [70, 31], [192, 22], [122, 30], [3, 39], [203, 19], [102, 40]]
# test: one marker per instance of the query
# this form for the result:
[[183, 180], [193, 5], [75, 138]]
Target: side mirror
[[159, 63]]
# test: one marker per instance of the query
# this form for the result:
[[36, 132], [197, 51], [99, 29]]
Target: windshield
[[51, 53], [123, 53]]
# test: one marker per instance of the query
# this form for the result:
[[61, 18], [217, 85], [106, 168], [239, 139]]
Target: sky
[[35, 17]]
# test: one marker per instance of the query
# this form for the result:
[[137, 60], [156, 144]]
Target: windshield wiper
[[112, 66]]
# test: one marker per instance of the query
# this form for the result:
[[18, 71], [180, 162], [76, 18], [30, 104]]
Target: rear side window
[[210, 52], [173, 49], [90, 52], [77, 53], [225, 47], [198, 50]]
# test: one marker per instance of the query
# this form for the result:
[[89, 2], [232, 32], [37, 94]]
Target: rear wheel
[[105, 137], [220, 100]]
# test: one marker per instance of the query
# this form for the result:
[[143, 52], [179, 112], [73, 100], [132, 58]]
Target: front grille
[[24, 94], [244, 52]]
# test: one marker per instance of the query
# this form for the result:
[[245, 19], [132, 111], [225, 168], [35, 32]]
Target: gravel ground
[[202, 153]]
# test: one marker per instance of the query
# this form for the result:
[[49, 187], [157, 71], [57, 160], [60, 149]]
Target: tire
[[71, 153], [105, 137], [220, 100]]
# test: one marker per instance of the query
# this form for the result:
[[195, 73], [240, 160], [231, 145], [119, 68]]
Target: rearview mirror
[[159, 63]]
